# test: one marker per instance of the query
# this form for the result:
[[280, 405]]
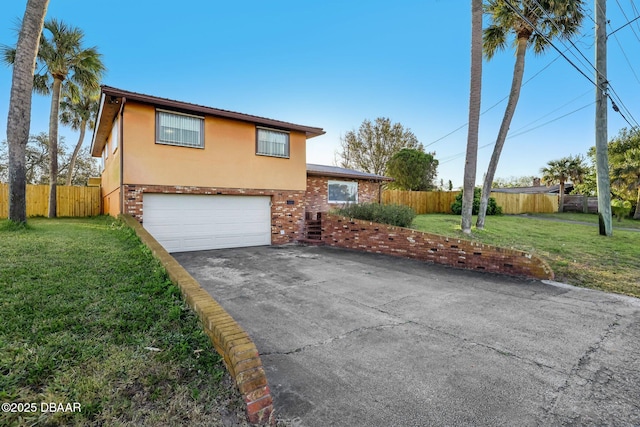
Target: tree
[[475, 91], [37, 162], [513, 181], [562, 170], [413, 170], [23, 58], [370, 148], [624, 169], [79, 108], [63, 59], [534, 25], [624, 166]]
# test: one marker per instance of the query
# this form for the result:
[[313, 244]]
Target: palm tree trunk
[[72, 162], [636, 214], [514, 95], [474, 115], [19, 118], [561, 204], [53, 146]]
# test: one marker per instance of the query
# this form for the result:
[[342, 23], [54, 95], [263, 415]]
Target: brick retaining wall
[[384, 239], [238, 351]]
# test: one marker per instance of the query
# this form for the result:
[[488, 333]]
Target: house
[[201, 178]]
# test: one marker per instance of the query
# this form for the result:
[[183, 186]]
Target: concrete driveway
[[354, 339]]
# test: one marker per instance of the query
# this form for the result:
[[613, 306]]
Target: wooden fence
[[580, 203], [440, 201], [71, 201], [421, 201]]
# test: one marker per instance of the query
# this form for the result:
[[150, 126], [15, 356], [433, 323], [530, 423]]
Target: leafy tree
[[562, 170], [37, 162], [513, 181], [492, 207], [413, 170], [63, 58], [624, 168], [475, 91], [533, 25], [79, 108], [370, 148], [23, 58]]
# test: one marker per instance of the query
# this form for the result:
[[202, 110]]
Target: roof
[[112, 100], [537, 189], [324, 170]]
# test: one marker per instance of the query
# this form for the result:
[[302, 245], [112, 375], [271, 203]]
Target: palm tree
[[474, 116], [561, 171], [79, 108], [23, 58], [63, 58], [534, 23]]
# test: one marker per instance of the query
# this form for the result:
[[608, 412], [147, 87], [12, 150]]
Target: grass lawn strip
[[627, 223], [89, 316], [577, 253]]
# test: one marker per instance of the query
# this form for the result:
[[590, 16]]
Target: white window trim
[[160, 142], [350, 184], [287, 156]]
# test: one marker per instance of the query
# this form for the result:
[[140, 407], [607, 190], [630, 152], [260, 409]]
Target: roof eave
[[109, 107], [348, 175], [309, 131]]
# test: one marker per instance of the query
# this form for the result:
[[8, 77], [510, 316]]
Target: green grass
[[590, 218], [577, 253], [89, 316]]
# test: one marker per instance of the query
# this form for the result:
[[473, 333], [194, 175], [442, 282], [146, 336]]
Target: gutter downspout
[[121, 142]]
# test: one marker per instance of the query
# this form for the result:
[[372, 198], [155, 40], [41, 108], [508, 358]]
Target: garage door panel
[[187, 222]]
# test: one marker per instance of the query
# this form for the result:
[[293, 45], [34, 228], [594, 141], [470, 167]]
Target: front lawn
[[577, 253], [89, 317]]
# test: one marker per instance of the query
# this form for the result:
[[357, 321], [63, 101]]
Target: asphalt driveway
[[354, 339]]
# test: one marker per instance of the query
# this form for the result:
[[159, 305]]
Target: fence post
[[585, 203]]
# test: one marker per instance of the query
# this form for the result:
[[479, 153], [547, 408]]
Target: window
[[179, 129], [343, 192], [272, 143], [114, 136]]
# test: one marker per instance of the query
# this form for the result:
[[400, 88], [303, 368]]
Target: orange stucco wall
[[228, 159], [111, 179]]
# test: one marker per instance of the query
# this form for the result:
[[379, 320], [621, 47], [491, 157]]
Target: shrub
[[620, 208], [492, 207], [398, 215]]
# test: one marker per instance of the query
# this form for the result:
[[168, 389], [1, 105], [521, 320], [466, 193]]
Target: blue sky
[[333, 64]]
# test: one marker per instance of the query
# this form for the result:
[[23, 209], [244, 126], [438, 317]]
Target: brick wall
[[284, 216], [238, 351], [383, 239], [318, 192]]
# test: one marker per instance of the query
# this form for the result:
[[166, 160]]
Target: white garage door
[[189, 222]]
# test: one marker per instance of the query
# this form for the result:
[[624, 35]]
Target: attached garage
[[189, 222]]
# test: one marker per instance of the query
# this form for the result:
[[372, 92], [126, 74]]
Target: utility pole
[[602, 157]]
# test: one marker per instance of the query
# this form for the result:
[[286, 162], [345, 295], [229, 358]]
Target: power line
[[553, 111], [525, 19], [453, 157], [494, 105], [629, 22]]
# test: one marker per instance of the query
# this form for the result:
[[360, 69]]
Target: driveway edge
[[238, 351]]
